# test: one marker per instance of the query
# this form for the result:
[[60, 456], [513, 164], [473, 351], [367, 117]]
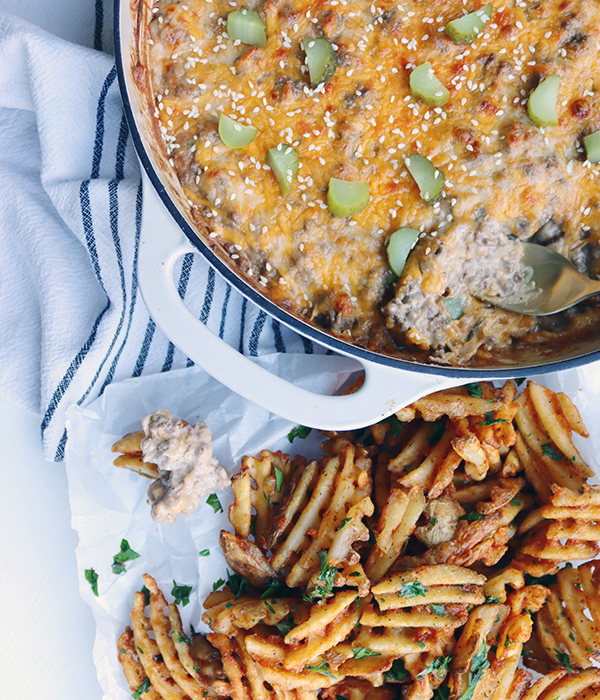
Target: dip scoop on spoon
[[554, 284]]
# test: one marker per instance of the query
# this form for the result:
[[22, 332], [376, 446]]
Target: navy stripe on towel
[[60, 450], [224, 311], [308, 345], [259, 324], [279, 344], [145, 349], [243, 324], [99, 138], [208, 296], [99, 25], [71, 371]]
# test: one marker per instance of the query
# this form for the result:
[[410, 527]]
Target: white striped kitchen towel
[[72, 319]]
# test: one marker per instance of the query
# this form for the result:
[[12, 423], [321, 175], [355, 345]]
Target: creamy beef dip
[[434, 305], [507, 179], [186, 465]]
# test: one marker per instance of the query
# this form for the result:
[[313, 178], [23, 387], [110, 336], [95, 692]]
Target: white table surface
[[47, 630]]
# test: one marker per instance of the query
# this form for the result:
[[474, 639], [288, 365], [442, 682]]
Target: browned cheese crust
[[506, 178]]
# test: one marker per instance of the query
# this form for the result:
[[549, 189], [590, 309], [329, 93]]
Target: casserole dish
[[169, 232]]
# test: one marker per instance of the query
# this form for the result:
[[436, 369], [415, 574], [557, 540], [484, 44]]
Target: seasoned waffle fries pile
[[428, 556]]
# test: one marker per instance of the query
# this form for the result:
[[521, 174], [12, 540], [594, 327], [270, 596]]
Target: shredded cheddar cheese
[[506, 179]]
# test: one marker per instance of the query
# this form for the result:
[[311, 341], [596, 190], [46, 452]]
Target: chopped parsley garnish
[[363, 652], [323, 669], [438, 666], [395, 425], [218, 584], [276, 589], [564, 660], [278, 478], [204, 553], [215, 503], [341, 525], [300, 431], [490, 420], [397, 672], [549, 451], [372, 541], [432, 521], [326, 577], [473, 516], [475, 391], [438, 609], [492, 599], [479, 664], [439, 429], [238, 584], [181, 593], [142, 688], [146, 593], [285, 626], [183, 639], [125, 554], [92, 578], [413, 589], [441, 693], [520, 380], [515, 502]]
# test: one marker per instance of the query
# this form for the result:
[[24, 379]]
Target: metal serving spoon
[[558, 284]]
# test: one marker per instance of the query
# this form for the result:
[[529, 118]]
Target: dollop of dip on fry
[[186, 465]]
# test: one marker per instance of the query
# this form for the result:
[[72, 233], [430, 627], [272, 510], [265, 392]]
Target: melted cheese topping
[[500, 168]]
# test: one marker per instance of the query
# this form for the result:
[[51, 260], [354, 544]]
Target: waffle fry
[[360, 582], [133, 670], [455, 403], [396, 523], [157, 654], [559, 685], [477, 435], [544, 446], [131, 455], [565, 530], [483, 535], [563, 628]]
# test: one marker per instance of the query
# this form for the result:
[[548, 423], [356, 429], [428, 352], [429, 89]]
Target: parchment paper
[[109, 504]]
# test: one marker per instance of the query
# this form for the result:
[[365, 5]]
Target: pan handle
[[385, 389]]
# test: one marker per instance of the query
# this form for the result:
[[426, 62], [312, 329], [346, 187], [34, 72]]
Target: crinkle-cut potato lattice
[[404, 562], [130, 457], [568, 626]]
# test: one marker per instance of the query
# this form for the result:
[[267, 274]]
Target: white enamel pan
[[168, 233]]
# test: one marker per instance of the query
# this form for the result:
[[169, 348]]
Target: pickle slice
[[425, 85], [248, 27], [429, 178], [283, 160], [464, 30], [347, 198], [541, 105], [321, 59], [455, 307], [592, 147], [235, 135], [400, 243]]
